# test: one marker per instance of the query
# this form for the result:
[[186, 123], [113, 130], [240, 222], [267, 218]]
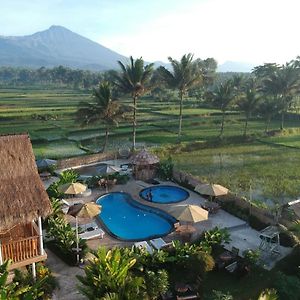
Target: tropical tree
[[267, 108], [281, 82], [109, 276], [134, 79], [102, 110], [222, 96], [184, 76], [10, 290], [248, 100]]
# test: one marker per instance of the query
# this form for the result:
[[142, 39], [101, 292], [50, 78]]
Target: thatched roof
[[22, 195], [144, 158]]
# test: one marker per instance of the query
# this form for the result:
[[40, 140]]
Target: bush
[[165, 170], [290, 264], [256, 223], [288, 287], [287, 239]]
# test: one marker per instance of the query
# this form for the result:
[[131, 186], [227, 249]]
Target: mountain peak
[[55, 46]]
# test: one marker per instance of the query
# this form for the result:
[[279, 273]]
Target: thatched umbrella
[[72, 188], [108, 169], [189, 213], [45, 163], [210, 189], [80, 210], [144, 164]]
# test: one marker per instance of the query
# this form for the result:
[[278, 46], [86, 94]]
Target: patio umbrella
[[80, 210], [72, 188], [189, 213], [211, 189], [45, 162], [108, 169]]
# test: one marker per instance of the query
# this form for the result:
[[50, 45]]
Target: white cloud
[[249, 30]]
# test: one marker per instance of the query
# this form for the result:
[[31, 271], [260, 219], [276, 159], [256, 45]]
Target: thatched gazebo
[[22, 199], [144, 165]]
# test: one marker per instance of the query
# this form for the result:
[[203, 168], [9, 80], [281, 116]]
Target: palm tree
[[134, 79], [185, 75], [282, 82], [268, 108], [102, 110], [248, 100], [222, 96]]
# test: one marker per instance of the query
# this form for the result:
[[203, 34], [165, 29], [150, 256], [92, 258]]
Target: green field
[[48, 116]]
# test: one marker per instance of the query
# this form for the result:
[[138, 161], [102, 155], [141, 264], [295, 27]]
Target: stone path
[[66, 277]]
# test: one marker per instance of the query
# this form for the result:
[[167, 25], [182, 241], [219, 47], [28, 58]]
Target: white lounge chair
[[159, 243], [144, 245], [96, 232]]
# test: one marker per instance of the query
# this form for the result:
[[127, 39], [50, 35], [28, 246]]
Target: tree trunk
[[282, 120], [134, 122], [222, 123], [180, 116], [246, 125], [268, 120], [106, 139]]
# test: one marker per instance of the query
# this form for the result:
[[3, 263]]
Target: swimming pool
[[164, 194], [126, 219]]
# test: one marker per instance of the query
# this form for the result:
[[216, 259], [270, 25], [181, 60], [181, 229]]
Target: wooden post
[[1, 259], [33, 271], [41, 236], [77, 241]]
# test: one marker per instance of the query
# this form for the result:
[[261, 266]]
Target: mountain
[[233, 66], [56, 46]]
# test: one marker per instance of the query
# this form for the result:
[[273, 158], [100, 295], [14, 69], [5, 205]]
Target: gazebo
[[144, 165], [23, 202]]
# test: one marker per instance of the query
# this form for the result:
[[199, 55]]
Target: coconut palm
[[102, 110], [222, 96], [134, 79], [268, 108], [282, 82], [248, 100], [184, 76]]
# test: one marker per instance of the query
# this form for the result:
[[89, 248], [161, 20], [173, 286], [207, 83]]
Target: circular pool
[[164, 194], [129, 220]]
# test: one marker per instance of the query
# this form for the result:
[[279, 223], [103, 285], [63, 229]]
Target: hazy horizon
[[242, 31]]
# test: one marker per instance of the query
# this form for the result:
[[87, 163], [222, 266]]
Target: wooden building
[[145, 165], [23, 201]]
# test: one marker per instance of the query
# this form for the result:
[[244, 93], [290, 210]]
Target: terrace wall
[[86, 159]]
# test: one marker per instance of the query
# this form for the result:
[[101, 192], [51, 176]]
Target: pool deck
[[242, 236]]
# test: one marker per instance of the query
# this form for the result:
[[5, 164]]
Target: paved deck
[[242, 236]]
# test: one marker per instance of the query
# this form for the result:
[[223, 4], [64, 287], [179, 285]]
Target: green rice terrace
[[49, 117]]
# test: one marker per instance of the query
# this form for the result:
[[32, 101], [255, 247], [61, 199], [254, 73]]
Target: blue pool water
[[126, 219], [164, 194]]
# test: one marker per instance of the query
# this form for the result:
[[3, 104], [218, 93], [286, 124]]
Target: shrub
[[290, 265], [215, 237], [64, 239], [251, 257], [218, 295], [256, 223], [68, 176], [287, 239], [288, 287], [165, 170]]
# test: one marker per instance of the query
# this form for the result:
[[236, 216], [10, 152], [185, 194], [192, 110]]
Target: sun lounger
[[144, 245], [159, 243], [96, 232]]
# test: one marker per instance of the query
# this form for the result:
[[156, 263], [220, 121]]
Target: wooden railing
[[21, 249]]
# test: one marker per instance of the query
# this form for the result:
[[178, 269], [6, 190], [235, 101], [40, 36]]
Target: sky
[[252, 31]]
